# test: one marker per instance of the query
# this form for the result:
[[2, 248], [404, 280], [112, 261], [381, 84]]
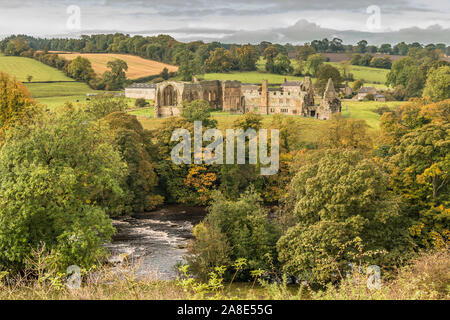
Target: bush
[[369, 97], [141, 103], [383, 109]]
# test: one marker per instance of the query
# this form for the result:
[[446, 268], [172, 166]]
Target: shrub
[[369, 97], [383, 109], [140, 103]]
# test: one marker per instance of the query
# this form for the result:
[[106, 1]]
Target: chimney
[[265, 96]]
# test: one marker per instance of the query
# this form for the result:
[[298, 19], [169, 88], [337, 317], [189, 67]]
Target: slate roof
[[367, 90], [142, 86]]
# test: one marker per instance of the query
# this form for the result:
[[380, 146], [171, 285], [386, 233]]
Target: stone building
[[364, 91], [347, 91], [141, 90], [290, 98], [330, 104]]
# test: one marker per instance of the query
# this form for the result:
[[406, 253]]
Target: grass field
[[309, 127], [21, 68], [367, 74], [249, 77], [364, 110], [137, 67], [371, 76]]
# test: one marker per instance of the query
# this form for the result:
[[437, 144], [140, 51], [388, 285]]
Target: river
[[155, 242]]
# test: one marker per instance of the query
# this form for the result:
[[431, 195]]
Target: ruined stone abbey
[[289, 98]]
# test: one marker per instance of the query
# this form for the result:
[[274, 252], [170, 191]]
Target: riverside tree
[[60, 179]]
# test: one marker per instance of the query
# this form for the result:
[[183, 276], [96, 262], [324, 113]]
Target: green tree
[[115, 78], [59, 180], [136, 148], [437, 86], [81, 69], [198, 110], [341, 197], [102, 105], [165, 74], [324, 73], [282, 65], [313, 63]]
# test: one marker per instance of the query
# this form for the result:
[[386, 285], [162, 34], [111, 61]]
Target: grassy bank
[[425, 278]]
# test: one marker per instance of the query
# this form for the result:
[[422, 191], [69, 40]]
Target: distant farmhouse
[[289, 98], [364, 91], [141, 91]]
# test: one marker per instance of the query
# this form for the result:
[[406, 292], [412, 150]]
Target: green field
[[249, 77], [21, 68], [58, 89], [364, 110], [371, 76], [350, 109], [367, 74]]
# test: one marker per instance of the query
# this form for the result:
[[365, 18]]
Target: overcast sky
[[241, 21]]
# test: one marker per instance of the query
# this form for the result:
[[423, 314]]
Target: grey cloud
[[304, 31]]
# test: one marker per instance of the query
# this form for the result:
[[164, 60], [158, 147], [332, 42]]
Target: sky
[[235, 21]]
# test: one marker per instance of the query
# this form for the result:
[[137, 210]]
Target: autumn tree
[[16, 104], [342, 133], [270, 53], [220, 60], [416, 139], [247, 58]]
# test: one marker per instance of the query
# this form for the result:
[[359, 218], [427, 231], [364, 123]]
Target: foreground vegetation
[[426, 277]]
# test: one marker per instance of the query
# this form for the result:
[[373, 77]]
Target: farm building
[[141, 90], [364, 91]]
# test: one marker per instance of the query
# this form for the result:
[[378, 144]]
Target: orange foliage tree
[[16, 103]]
